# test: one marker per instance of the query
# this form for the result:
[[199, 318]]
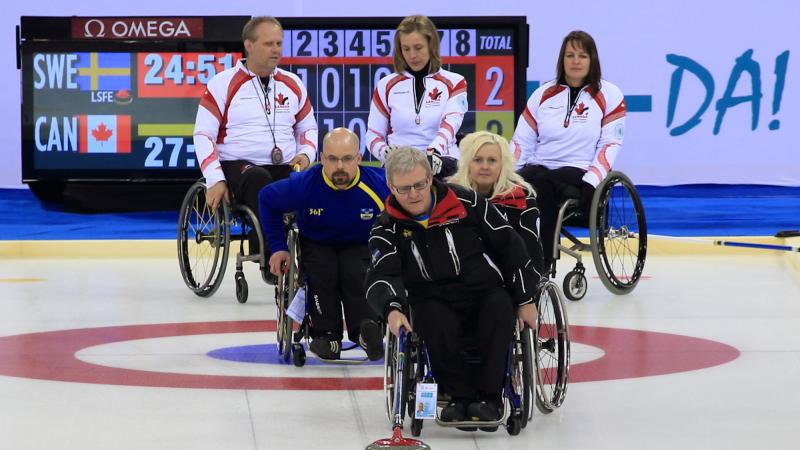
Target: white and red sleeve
[[612, 130], [378, 124], [526, 135], [305, 126], [206, 133], [454, 111]]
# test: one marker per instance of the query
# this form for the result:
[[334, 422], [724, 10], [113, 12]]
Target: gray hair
[[249, 30], [403, 160]]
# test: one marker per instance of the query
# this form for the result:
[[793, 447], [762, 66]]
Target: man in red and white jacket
[[255, 121]]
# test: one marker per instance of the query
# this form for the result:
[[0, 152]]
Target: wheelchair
[[617, 236], [290, 341], [204, 240], [537, 371]]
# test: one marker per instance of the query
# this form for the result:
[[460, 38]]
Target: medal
[[277, 156], [417, 120]]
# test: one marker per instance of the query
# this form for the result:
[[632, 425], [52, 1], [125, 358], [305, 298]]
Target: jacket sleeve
[[206, 131], [384, 283], [508, 247], [378, 125], [455, 108], [305, 127], [526, 135], [275, 200], [529, 232], [611, 134]]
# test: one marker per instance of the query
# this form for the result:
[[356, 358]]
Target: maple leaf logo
[[435, 94], [102, 133], [581, 108], [281, 99]]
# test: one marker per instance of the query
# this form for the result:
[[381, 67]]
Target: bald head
[[340, 137], [340, 157]]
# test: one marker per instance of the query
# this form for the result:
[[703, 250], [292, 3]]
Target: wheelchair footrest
[[472, 423]]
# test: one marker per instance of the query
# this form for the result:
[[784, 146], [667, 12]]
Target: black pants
[[245, 181], [335, 276], [443, 326], [549, 185]]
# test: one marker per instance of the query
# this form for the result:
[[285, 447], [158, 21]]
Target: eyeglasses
[[349, 159], [405, 190]]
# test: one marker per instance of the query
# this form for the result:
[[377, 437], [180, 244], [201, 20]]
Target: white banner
[[713, 88]]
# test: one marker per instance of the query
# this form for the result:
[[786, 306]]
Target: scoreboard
[[116, 98]]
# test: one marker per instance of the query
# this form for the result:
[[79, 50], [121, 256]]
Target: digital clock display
[[99, 109]]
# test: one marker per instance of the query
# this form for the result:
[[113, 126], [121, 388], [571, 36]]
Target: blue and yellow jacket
[[324, 213]]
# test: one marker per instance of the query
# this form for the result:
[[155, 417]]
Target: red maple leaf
[[101, 133], [435, 94], [281, 99], [581, 108]]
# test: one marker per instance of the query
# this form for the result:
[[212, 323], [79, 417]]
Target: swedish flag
[[104, 71]]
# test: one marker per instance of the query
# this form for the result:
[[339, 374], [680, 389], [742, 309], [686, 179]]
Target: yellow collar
[[330, 184]]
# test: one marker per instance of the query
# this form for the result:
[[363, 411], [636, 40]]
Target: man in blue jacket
[[336, 204]]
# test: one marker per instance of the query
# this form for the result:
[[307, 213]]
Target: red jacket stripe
[[551, 92], [290, 83], [237, 81], [303, 111], [376, 99], [618, 112], [207, 101], [526, 114]]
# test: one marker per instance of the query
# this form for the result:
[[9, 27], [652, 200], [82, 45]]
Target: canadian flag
[[104, 134]]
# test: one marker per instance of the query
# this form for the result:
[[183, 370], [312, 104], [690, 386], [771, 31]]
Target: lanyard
[[571, 106], [418, 104], [277, 153]]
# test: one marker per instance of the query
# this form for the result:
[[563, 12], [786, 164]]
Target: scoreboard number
[[305, 43], [156, 145], [331, 43], [358, 43], [495, 76], [382, 42]]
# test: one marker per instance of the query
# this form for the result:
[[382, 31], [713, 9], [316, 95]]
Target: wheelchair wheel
[[522, 373], [298, 355], [575, 285], [618, 233], [241, 287], [551, 349], [389, 368], [514, 425], [287, 287], [203, 242], [392, 374]]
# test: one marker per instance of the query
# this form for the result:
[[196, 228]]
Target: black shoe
[[371, 339], [455, 411], [326, 347], [486, 411]]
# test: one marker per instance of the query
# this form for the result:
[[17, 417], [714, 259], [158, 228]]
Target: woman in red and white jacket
[[570, 132], [420, 105]]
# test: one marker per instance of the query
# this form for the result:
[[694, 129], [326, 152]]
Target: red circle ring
[[51, 356]]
